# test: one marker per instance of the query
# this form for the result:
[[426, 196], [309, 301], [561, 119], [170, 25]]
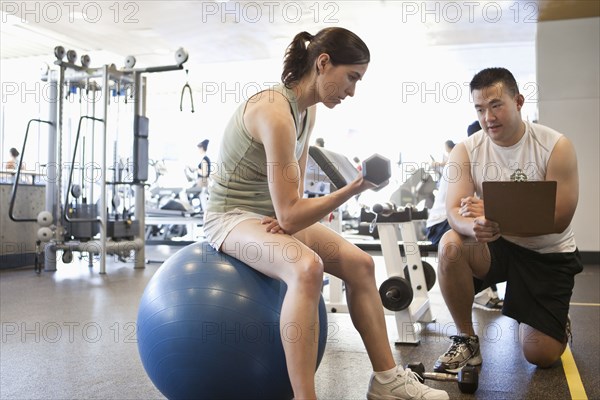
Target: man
[[437, 224], [539, 270]]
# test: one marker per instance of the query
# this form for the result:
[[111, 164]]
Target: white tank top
[[490, 162]]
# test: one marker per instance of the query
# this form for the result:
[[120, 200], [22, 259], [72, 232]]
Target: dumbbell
[[377, 169], [396, 292], [467, 378]]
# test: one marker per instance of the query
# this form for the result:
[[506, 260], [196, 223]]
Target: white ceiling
[[237, 31], [220, 32]]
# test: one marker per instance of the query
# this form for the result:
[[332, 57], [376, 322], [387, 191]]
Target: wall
[[568, 58]]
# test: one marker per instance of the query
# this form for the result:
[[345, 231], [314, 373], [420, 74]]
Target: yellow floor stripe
[[585, 304], [572, 374]]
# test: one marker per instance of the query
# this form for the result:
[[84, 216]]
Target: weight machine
[[72, 227]]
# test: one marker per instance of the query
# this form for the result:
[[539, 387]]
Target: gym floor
[[70, 334]]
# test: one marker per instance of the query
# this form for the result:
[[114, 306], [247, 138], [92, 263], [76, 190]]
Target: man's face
[[499, 112]]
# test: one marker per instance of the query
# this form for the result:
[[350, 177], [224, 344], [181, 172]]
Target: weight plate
[[396, 293]]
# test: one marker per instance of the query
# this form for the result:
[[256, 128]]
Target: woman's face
[[335, 82]]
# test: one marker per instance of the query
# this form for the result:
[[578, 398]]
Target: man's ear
[[520, 101]]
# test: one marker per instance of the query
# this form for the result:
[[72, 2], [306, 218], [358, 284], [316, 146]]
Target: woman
[[256, 198]]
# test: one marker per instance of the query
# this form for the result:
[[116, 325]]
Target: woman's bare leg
[[286, 258], [357, 269]]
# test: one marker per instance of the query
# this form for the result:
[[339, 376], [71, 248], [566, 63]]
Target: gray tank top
[[240, 174]]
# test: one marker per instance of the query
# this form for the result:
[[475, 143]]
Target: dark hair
[[14, 152], [203, 144], [320, 142], [474, 127], [450, 144], [490, 76], [342, 46]]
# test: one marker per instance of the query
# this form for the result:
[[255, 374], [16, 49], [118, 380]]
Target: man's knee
[[543, 357], [450, 250], [540, 349]]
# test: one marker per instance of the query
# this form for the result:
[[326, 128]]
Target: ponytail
[[295, 63], [342, 46]]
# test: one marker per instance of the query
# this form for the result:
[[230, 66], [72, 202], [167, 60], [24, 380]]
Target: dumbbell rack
[[336, 301], [419, 311]]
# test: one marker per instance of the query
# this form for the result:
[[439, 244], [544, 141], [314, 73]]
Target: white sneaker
[[404, 386], [488, 300]]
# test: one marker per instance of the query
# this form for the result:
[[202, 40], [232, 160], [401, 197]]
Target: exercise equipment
[[70, 226], [419, 186], [208, 327], [377, 169], [44, 218], [406, 295], [339, 170], [467, 378], [396, 292]]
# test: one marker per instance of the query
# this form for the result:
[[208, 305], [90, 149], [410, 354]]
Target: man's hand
[[471, 206], [485, 230]]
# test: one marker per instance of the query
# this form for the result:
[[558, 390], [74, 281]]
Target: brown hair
[[342, 46]]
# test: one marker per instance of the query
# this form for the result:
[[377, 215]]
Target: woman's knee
[[308, 272], [361, 268]]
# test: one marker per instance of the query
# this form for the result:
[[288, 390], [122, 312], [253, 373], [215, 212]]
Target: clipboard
[[521, 208]]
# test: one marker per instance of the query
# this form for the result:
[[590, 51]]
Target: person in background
[[320, 142], [203, 173], [257, 199], [357, 164], [438, 166], [13, 161], [437, 224], [539, 270]]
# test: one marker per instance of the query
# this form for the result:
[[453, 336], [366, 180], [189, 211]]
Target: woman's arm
[[269, 121], [303, 159]]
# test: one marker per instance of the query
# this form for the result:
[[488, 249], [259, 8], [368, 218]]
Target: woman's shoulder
[[268, 104]]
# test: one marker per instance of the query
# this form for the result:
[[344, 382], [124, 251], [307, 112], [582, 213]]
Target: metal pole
[[103, 210], [52, 168], [139, 93]]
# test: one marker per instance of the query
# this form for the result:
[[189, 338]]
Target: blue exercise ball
[[208, 328]]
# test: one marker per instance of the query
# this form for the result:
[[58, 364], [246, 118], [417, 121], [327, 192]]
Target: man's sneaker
[[568, 331], [405, 385], [488, 300], [463, 350]]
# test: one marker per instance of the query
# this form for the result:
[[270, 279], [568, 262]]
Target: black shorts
[[435, 232], [538, 286]]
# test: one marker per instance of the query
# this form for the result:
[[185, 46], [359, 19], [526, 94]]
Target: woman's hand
[[272, 225]]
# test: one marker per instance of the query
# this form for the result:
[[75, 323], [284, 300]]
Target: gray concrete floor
[[70, 334]]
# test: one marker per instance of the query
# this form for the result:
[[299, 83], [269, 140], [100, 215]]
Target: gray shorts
[[218, 225]]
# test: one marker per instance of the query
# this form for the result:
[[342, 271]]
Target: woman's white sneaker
[[404, 385]]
